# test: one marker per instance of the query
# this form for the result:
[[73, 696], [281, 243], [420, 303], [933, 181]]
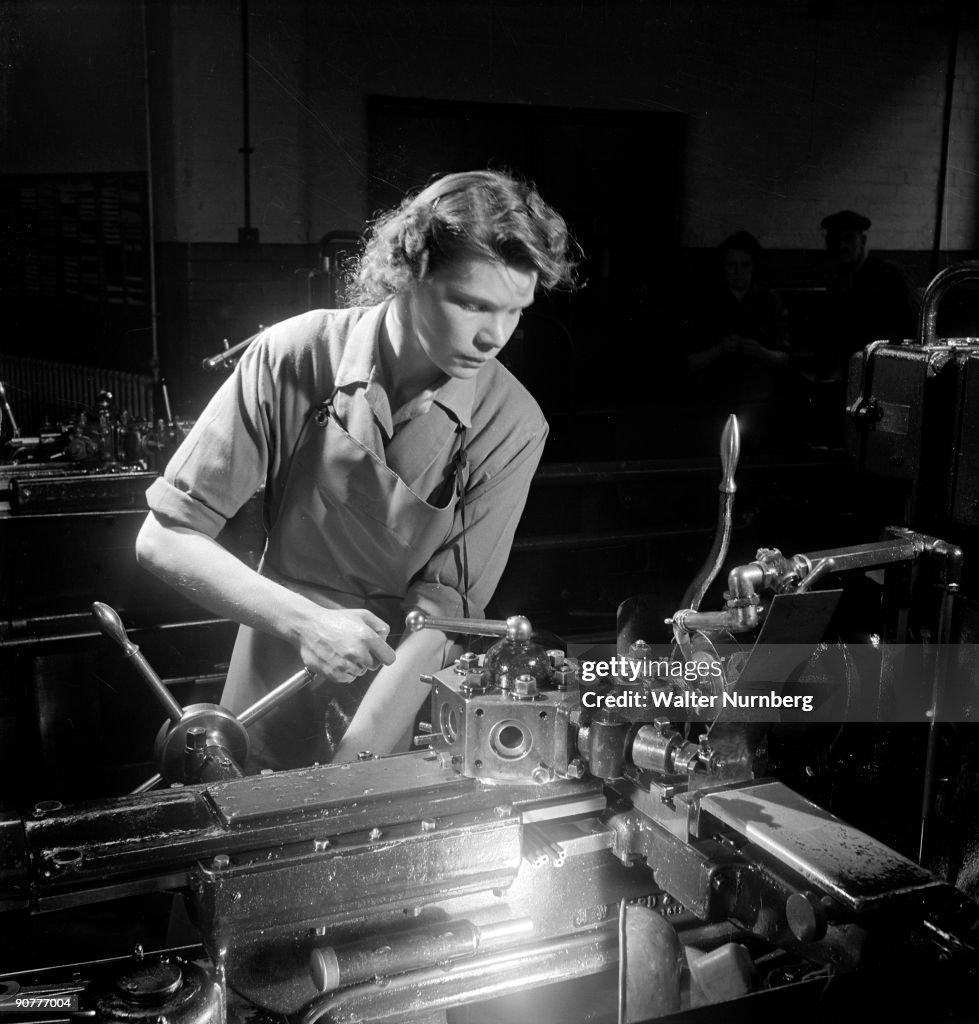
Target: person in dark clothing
[[868, 298], [737, 344]]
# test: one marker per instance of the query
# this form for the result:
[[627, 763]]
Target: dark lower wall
[[211, 292]]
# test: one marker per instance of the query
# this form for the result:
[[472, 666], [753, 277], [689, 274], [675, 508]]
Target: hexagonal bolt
[[525, 685], [639, 650], [555, 658], [565, 675], [319, 845], [375, 834], [365, 755], [469, 662], [576, 768], [428, 825], [196, 739], [221, 862], [541, 774]]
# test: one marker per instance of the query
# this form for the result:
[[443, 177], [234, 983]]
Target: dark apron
[[349, 534]]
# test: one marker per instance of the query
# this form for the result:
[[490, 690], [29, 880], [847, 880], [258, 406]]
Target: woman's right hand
[[342, 644]]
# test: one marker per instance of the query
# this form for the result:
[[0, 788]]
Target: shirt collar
[[359, 365]]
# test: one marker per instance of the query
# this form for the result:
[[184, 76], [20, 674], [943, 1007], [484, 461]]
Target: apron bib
[[350, 533]]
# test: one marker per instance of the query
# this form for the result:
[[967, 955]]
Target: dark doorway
[[615, 175]]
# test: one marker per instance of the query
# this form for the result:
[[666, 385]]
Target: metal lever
[[251, 714], [822, 568], [730, 452], [229, 355], [516, 627], [8, 412], [111, 626]]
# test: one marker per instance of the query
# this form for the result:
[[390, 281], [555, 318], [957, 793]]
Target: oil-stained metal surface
[[403, 864], [290, 795], [91, 852], [856, 869]]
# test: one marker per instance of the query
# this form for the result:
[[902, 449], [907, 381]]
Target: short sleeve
[[247, 431]]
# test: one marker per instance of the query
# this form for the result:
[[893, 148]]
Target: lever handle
[[111, 626], [252, 713], [730, 453], [516, 627]]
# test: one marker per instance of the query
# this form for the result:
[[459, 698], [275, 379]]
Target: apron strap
[[460, 463]]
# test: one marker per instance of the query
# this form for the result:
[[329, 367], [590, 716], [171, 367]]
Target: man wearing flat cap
[[867, 297]]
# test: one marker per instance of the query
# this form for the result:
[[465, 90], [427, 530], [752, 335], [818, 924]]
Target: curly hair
[[473, 214]]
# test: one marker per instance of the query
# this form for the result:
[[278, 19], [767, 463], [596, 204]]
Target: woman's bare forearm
[[339, 644], [388, 709]]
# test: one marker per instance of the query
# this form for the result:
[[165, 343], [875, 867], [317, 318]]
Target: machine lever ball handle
[[516, 627], [111, 626]]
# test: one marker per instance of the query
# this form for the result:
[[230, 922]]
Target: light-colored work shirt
[[246, 436]]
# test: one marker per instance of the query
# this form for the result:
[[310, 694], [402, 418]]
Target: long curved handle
[[938, 286]]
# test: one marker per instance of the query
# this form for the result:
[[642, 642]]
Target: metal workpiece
[[507, 718], [503, 735]]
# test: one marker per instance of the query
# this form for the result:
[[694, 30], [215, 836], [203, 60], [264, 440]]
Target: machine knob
[[730, 453], [111, 626]]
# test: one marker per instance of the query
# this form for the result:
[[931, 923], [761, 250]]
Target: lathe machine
[[566, 845]]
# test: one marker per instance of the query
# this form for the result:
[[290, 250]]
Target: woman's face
[[738, 270], [463, 314]]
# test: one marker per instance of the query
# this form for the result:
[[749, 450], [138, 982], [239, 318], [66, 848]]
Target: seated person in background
[[868, 298], [737, 343], [396, 454]]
